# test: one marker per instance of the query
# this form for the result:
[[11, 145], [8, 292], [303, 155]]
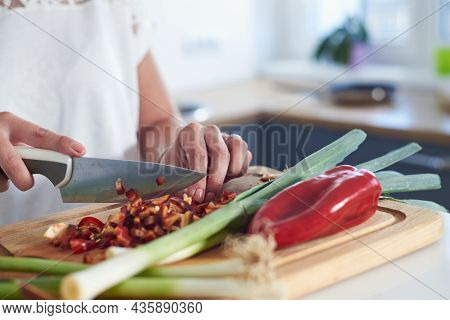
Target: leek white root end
[[256, 252]]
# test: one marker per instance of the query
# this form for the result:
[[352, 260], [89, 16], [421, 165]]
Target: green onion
[[222, 268], [324, 159], [249, 257], [251, 191], [89, 283], [409, 183], [10, 290], [148, 288], [390, 158], [227, 267], [425, 204], [183, 254], [41, 266], [382, 175], [194, 288]]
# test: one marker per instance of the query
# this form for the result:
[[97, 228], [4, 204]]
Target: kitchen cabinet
[[280, 144]]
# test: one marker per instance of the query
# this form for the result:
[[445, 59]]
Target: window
[[303, 23], [444, 23], [386, 19], [330, 14]]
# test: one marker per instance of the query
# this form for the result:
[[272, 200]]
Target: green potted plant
[[345, 45]]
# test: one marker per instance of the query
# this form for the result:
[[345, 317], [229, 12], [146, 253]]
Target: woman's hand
[[16, 131], [206, 149]]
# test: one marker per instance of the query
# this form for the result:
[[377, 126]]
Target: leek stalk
[[226, 267], [409, 183], [149, 288], [390, 158]]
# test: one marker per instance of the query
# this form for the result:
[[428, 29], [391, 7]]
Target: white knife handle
[[57, 167]]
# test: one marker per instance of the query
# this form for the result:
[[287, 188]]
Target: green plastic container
[[442, 57]]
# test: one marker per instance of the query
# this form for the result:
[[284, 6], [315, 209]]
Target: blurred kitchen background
[[280, 64]]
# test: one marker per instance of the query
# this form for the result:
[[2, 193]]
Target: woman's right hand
[[17, 131]]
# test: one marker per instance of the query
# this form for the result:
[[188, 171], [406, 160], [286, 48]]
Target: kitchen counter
[[413, 115], [423, 274]]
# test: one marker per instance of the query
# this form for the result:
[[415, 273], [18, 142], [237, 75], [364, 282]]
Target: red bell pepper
[[339, 199]]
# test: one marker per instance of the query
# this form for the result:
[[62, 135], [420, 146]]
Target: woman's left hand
[[206, 149]]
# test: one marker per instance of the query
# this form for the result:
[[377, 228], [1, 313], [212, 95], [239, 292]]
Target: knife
[[91, 180]]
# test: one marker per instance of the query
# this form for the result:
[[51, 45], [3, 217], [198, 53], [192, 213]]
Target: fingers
[[248, 160], [240, 156], [4, 182], [191, 140], [16, 131], [219, 159], [206, 149], [13, 166], [33, 135]]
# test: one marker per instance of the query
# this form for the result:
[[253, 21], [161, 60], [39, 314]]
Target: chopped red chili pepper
[[160, 180], [91, 222], [82, 245], [122, 236], [159, 201], [339, 199], [63, 239], [120, 188], [137, 222], [105, 242], [132, 195]]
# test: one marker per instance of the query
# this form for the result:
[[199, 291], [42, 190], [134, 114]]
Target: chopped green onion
[[390, 158]]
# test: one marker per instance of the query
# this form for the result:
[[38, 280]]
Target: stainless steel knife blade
[[93, 180], [90, 180]]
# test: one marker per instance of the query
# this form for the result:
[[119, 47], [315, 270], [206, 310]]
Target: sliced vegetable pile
[[136, 223]]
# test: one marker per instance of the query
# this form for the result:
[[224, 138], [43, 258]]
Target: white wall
[[302, 25], [206, 43], [203, 43]]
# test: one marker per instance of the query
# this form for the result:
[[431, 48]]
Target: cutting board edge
[[415, 223]]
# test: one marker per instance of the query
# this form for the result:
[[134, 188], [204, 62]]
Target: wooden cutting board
[[395, 230]]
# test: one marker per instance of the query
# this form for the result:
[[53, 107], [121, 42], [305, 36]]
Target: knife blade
[[92, 180]]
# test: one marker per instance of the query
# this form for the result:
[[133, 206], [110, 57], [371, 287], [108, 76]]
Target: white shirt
[[71, 67]]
